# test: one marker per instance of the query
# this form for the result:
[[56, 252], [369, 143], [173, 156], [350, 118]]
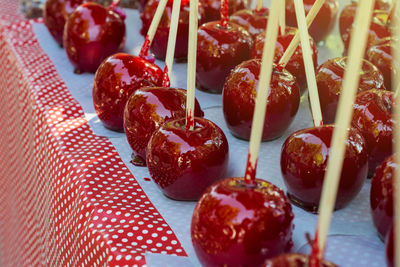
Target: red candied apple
[[378, 29], [254, 21], [329, 82], [235, 224], [56, 13], [293, 260], [373, 118], [219, 50], [115, 80], [91, 34], [380, 54], [239, 95], [142, 4], [160, 41], [146, 110], [381, 196], [304, 161], [296, 64], [323, 23], [389, 248], [212, 8], [382, 5], [183, 162]]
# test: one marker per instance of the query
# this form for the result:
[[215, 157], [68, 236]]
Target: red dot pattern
[[66, 197], [9, 12]]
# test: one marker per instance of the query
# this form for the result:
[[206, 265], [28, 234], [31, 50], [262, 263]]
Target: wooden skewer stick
[[282, 17], [153, 28], [396, 180], [296, 39], [308, 63], [173, 30], [262, 93], [114, 4], [396, 92], [343, 118], [393, 9], [192, 51], [259, 5]]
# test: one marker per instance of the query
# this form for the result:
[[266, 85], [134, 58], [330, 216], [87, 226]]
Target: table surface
[[118, 209]]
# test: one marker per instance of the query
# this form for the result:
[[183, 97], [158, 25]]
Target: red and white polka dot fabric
[[9, 12], [66, 198]]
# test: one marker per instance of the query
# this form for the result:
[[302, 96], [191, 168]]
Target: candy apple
[[382, 5], [219, 50], [323, 23], [91, 34], [184, 162], [146, 110], [115, 80], [160, 41], [304, 161], [380, 54], [235, 224], [373, 118], [390, 248], [254, 21], [56, 13], [381, 196], [329, 82], [212, 8], [142, 4], [239, 95], [296, 64], [293, 260], [378, 29]]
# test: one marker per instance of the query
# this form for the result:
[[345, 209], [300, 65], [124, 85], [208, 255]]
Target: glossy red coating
[[329, 78], [389, 248], [373, 118], [254, 21], [144, 51], [56, 13], [316, 254], [182, 162], [239, 96], [166, 81], [323, 23], [296, 63], [304, 160], [235, 224], [219, 50], [212, 8], [251, 170], [379, 27], [147, 109], [380, 54], [91, 34], [293, 260], [115, 80], [160, 41], [224, 13], [381, 196]]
